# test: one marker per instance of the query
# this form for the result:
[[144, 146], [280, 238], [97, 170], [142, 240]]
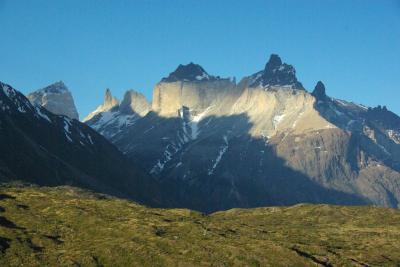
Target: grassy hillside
[[70, 227]]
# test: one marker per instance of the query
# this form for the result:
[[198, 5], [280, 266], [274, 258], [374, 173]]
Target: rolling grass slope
[[66, 226]]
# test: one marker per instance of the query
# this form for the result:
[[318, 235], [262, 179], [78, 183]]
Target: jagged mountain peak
[[273, 62], [56, 98], [107, 94], [188, 72], [134, 102], [319, 91], [276, 74], [112, 117]]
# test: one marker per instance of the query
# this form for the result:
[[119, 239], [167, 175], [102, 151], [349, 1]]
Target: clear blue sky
[[352, 46]]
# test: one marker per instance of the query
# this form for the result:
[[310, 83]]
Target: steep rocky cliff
[[192, 87]]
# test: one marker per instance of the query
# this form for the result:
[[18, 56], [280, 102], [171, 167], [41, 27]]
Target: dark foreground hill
[[65, 226], [37, 146]]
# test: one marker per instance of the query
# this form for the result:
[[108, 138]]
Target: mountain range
[[209, 143], [213, 144]]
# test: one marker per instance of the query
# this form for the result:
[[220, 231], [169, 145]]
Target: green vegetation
[[67, 226]]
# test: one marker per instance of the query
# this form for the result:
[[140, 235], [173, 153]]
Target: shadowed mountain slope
[[40, 147]]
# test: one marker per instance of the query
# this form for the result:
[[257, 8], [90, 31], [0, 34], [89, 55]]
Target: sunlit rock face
[[190, 86], [214, 144], [55, 98], [284, 110], [134, 102], [273, 102]]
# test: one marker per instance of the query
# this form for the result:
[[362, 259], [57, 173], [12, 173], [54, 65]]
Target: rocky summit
[[189, 72], [276, 74], [55, 98], [213, 144]]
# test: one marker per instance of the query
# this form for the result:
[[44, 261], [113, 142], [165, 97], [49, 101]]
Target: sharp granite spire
[[109, 100], [319, 91], [109, 103]]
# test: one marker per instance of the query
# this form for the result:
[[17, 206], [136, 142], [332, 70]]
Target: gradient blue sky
[[352, 46]]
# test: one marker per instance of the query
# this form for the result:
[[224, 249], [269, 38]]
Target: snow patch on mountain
[[394, 136], [221, 153], [190, 132], [41, 114], [110, 123], [90, 139], [277, 119], [195, 121], [167, 155], [203, 76], [67, 130], [8, 91]]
